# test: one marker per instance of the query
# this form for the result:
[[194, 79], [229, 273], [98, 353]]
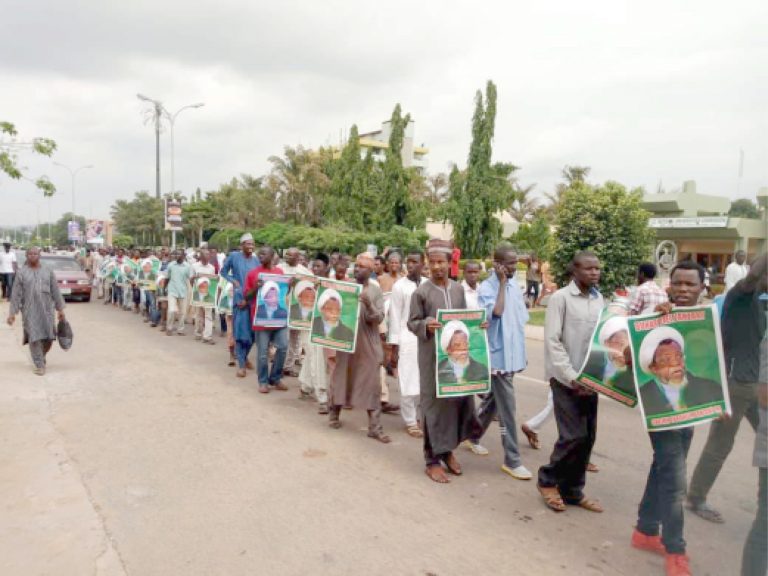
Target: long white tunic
[[399, 308]]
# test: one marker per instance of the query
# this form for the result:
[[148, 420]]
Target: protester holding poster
[[664, 360], [572, 314], [334, 323], [297, 337], [204, 302], [266, 289], [355, 381], [446, 422]]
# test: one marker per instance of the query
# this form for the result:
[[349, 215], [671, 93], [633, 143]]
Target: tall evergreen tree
[[394, 201], [483, 189]]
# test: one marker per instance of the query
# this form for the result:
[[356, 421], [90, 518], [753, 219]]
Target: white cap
[[245, 237], [613, 325], [329, 294], [652, 341], [449, 330]]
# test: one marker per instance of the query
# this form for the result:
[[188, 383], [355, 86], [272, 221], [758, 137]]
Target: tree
[[300, 184], [59, 230], [479, 192], [534, 236], [523, 206], [393, 199], [608, 220], [572, 175], [744, 208], [11, 147], [142, 218]]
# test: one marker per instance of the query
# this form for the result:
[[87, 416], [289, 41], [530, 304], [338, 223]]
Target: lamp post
[[156, 115], [172, 121], [73, 173]]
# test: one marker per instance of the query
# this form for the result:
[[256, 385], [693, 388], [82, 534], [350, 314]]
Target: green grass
[[536, 317]]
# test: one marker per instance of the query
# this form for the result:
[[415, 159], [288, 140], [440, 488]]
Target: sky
[[645, 93]]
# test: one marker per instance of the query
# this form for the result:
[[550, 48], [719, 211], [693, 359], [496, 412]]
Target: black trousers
[[576, 418]]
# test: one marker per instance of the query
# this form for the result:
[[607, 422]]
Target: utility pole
[[156, 115]]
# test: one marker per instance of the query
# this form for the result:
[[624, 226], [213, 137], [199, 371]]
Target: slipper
[[552, 498], [264, 389], [241, 373], [589, 504], [414, 431], [533, 437], [335, 424], [380, 436], [592, 468], [705, 511], [437, 474]]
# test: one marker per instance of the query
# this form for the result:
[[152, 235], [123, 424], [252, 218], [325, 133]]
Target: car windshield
[[62, 264]]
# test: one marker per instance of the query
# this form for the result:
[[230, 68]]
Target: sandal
[[705, 511], [453, 465], [437, 474], [592, 468], [380, 436], [591, 505], [414, 431], [533, 437], [552, 498], [241, 373]]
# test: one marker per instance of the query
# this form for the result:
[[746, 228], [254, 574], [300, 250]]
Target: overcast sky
[[643, 92]]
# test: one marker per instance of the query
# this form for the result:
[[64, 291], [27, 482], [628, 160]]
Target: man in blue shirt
[[503, 302]]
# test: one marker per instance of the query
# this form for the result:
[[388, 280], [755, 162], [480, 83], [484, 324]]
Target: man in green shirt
[[177, 283]]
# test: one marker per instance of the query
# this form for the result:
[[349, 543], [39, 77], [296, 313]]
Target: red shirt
[[455, 257], [250, 283]]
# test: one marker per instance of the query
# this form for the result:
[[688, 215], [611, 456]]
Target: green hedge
[[281, 236]]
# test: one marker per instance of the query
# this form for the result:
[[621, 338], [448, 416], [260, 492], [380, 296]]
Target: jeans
[[501, 399], [117, 294], [754, 561], [662, 503], [7, 281], [532, 289], [720, 440], [576, 418], [150, 303], [279, 338]]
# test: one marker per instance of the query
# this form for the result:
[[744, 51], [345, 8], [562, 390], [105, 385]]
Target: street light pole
[[172, 121], [73, 174], [158, 111]]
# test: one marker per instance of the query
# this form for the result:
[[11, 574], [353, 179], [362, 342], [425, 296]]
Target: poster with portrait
[[302, 304], [462, 355], [679, 368], [334, 320], [224, 295], [129, 270], [204, 291], [272, 301], [146, 279], [94, 232], [607, 368]]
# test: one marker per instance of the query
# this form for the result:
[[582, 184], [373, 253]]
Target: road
[[141, 454]]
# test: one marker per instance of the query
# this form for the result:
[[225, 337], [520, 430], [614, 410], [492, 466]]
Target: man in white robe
[[404, 343]]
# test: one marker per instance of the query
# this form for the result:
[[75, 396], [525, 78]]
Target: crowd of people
[[401, 293]]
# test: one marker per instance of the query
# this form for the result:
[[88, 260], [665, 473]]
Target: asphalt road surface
[[141, 454]]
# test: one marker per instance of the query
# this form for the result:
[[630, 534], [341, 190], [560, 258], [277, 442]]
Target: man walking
[[503, 302], [571, 316], [355, 379], [405, 345], [235, 270], [736, 270], [177, 283], [8, 268], [661, 509], [36, 295], [278, 337], [743, 326], [296, 338], [204, 316]]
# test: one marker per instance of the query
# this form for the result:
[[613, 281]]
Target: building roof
[[686, 202]]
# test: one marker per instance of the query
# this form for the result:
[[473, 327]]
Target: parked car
[[73, 281]]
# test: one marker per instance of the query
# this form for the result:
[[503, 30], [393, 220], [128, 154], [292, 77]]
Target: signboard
[[173, 220], [94, 232], [702, 222], [73, 230], [462, 357]]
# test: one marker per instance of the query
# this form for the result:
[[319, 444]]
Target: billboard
[[73, 230], [173, 219], [94, 232]]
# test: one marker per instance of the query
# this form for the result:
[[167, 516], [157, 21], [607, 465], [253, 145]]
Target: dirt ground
[[142, 454]]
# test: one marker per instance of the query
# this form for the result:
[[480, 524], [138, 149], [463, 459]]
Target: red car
[[73, 281]]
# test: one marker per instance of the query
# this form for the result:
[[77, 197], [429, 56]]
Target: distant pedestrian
[[648, 294], [736, 270], [36, 295], [178, 274], [8, 268]]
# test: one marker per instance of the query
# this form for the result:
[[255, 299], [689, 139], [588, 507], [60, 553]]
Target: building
[[697, 226], [377, 143]]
